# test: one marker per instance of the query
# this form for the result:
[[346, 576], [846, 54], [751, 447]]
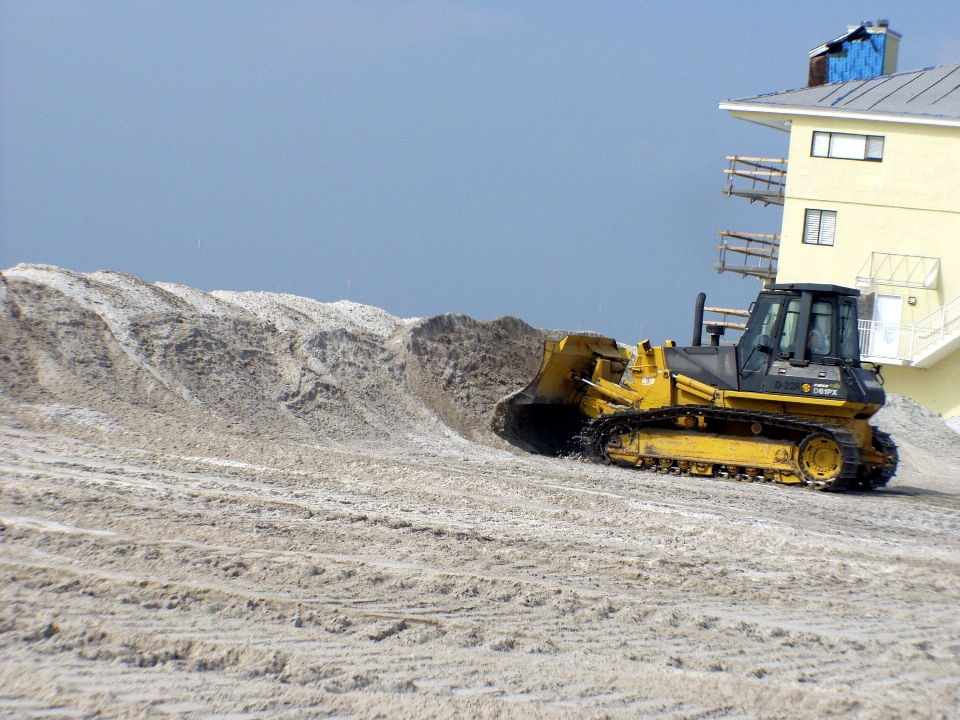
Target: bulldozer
[[789, 403]]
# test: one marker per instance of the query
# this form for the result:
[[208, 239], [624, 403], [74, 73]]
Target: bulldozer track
[[597, 433], [885, 444]]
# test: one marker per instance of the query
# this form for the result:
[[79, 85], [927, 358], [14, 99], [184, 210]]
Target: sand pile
[[278, 366]]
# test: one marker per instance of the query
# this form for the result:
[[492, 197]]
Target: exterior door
[[885, 338]]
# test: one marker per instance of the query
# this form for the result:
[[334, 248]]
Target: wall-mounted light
[[912, 300]]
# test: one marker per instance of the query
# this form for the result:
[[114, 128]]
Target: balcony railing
[[755, 255], [757, 179], [880, 341], [920, 344]]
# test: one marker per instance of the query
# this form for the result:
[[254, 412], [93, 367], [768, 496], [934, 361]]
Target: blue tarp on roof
[[857, 58]]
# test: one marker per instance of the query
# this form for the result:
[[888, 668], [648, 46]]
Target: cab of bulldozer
[[793, 327]]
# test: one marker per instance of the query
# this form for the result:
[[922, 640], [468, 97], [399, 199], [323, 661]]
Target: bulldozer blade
[[545, 417], [538, 428]]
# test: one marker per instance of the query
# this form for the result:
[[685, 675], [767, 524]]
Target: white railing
[[893, 341], [936, 326], [885, 340]]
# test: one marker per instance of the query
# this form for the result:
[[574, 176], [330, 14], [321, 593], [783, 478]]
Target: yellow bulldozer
[[789, 403]]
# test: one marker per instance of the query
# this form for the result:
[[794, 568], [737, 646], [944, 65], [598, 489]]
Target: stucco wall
[[907, 204], [936, 388]]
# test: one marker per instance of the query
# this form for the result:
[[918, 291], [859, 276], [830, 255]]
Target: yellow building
[[871, 199]]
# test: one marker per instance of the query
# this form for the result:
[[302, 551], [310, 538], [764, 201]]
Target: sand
[[252, 504]]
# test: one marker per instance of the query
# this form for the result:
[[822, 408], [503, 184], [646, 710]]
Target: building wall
[[936, 388], [907, 204]]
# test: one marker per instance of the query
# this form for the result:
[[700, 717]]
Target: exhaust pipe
[[698, 319]]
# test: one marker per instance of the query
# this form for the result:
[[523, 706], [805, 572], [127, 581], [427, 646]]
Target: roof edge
[[768, 109]]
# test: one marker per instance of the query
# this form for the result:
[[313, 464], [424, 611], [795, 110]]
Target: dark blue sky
[[562, 162]]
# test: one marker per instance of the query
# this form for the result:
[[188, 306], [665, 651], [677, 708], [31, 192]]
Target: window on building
[[820, 227], [847, 146]]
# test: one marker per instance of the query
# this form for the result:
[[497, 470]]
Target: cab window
[[849, 334], [820, 333], [789, 334], [762, 324]]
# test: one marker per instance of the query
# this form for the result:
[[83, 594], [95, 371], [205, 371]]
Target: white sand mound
[[267, 364]]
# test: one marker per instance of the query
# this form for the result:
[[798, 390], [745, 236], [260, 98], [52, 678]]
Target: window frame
[[820, 238], [866, 145]]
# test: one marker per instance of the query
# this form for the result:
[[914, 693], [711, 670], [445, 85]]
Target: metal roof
[[929, 96]]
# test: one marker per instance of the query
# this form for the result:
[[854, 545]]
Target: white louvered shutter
[[828, 226], [811, 227]]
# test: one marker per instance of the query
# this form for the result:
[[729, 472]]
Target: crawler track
[[853, 474], [885, 444]]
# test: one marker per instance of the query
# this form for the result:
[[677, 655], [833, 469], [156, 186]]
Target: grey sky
[[557, 161]]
